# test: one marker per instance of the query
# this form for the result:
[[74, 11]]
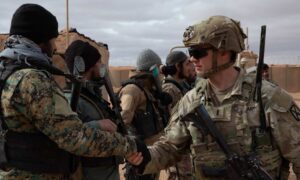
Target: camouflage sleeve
[[284, 116], [173, 91], [38, 97], [176, 139]]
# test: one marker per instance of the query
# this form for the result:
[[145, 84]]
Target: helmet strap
[[215, 68]]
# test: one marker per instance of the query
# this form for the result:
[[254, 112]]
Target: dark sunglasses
[[198, 53]]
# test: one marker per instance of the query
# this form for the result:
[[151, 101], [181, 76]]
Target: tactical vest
[[33, 152], [149, 122], [97, 109], [235, 120], [180, 87]]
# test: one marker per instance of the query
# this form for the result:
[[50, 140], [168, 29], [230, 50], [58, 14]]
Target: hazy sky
[[128, 26]]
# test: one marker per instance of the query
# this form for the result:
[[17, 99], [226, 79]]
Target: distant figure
[[141, 103], [265, 72], [177, 72], [91, 107], [192, 78]]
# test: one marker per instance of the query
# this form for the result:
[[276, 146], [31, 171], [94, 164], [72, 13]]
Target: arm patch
[[295, 111]]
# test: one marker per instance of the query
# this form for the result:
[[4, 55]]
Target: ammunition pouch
[[36, 153], [213, 171]]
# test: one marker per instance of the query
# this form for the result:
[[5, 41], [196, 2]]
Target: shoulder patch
[[295, 111], [280, 100]]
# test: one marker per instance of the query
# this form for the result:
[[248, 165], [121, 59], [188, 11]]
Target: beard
[[48, 49]]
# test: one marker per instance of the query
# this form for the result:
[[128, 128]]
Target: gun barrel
[[115, 103]]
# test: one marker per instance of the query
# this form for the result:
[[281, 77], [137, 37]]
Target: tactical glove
[[141, 147]]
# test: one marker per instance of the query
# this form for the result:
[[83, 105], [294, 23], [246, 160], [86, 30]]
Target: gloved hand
[[141, 147], [165, 98]]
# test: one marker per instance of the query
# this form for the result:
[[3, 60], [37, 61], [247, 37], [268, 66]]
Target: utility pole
[[67, 23]]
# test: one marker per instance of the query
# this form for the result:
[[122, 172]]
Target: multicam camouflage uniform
[[32, 102], [235, 117], [234, 112], [177, 91]]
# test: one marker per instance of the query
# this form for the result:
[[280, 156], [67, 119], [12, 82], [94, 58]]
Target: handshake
[[138, 160]]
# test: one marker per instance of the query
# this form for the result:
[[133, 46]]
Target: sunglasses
[[198, 53]]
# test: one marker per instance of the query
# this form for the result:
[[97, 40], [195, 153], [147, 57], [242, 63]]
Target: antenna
[[247, 40], [67, 23]]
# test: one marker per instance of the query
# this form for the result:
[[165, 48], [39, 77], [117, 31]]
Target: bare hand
[[135, 158], [107, 125]]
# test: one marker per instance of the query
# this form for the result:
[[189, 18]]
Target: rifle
[[237, 167], [130, 171], [164, 111], [78, 70], [257, 90], [115, 101]]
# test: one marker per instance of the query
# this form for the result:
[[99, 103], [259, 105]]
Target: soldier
[[177, 72], [139, 102], [93, 107], [265, 72], [227, 94], [192, 78], [39, 131]]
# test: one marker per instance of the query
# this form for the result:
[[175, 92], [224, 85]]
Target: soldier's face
[[192, 72], [184, 69], [48, 47], [201, 58], [265, 74], [96, 67]]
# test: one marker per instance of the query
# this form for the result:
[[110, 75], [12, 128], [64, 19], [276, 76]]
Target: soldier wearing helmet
[[227, 93]]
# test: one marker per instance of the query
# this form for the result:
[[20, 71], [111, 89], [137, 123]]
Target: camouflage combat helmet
[[221, 32]]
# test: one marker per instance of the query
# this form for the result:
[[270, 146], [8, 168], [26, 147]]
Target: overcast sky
[[129, 26]]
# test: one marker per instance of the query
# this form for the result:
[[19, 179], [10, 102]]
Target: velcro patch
[[295, 111]]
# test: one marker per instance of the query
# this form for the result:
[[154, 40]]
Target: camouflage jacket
[[33, 102], [234, 117]]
